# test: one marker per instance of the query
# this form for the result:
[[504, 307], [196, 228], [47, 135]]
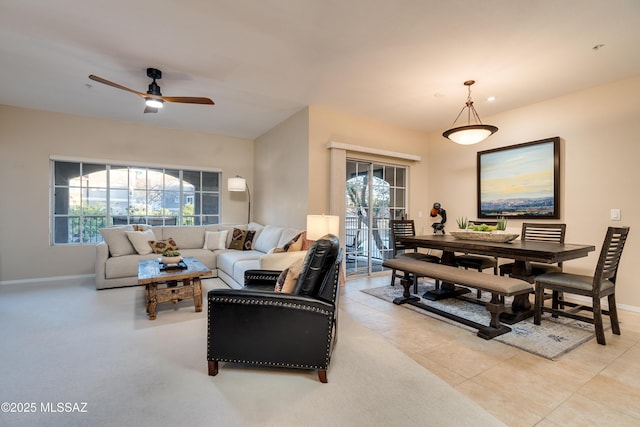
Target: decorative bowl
[[484, 236], [170, 259]]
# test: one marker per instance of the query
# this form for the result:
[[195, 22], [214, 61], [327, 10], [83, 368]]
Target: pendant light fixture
[[469, 133]]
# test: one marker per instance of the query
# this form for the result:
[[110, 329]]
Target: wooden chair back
[[543, 232], [401, 228], [610, 254]]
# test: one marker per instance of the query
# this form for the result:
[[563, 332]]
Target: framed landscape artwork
[[520, 181]]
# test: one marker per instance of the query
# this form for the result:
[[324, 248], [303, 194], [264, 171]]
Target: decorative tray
[[174, 266], [484, 236]]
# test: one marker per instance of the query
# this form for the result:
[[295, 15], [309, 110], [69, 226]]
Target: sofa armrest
[[102, 255], [280, 260]]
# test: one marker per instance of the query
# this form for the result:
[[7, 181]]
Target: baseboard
[[79, 279], [587, 301]]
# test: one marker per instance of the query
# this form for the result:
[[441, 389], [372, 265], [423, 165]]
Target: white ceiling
[[398, 61]]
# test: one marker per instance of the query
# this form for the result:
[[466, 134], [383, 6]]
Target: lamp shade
[[472, 134], [153, 103], [237, 183], [320, 225]]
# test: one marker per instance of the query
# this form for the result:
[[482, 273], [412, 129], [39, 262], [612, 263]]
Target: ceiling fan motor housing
[[154, 89]]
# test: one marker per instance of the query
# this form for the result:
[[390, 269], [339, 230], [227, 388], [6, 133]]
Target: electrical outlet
[[615, 214]]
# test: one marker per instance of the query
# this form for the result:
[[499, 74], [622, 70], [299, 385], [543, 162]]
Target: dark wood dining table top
[[519, 250]]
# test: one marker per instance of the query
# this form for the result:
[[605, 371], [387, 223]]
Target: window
[[89, 196]]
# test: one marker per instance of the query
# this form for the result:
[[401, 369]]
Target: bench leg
[[495, 307], [406, 294]]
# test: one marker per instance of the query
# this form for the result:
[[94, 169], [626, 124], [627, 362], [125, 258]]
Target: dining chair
[[601, 284], [406, 228], [540, 233]]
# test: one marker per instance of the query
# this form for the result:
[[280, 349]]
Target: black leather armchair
[[256, 325]]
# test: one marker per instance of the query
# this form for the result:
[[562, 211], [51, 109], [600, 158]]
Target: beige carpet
[[73, 344]]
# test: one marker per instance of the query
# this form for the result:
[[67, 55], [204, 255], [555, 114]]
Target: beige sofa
[[117, 258]]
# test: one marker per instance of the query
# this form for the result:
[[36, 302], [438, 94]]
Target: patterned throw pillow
[[280, 281], [291, 279], [241, 239], [159, 246], [292, 245]]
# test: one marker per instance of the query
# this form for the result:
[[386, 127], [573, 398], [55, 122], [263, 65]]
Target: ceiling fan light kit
[[154, 98], [469, 133]]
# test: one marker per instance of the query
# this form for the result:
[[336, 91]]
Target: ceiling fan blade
[[188, 100], [116, 85], [148, 109]]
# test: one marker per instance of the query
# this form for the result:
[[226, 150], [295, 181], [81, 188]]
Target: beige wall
[[327, 125], [281, 169], [600, 150], [599, 171], [27, 140]]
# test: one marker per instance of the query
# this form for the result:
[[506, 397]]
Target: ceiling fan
[[153, 98]]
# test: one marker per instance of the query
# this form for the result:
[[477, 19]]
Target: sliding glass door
[[375, 193]]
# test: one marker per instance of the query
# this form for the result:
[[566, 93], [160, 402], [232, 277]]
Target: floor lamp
[[239, 184]]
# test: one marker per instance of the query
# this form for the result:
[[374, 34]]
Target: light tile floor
[[592, 385]]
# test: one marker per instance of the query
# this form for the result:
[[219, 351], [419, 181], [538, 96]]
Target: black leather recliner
[[256, 325]]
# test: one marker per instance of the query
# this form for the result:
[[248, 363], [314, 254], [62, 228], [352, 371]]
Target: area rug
[[551, 339]]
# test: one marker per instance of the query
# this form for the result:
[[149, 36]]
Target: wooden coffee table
[[171, 285]]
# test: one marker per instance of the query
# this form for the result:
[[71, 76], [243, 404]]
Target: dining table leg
[[447, 289], [521, 307]]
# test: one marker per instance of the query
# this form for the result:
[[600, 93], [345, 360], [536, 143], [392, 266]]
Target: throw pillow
[[306, 243], [241, 239], [159, 246], [293, 245], [140, 240], [215, 240], [280, 280], [291, 279], [117, 240]]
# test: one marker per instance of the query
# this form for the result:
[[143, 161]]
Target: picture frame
[[520, 181]]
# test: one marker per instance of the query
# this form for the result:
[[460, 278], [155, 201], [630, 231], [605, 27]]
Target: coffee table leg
[[153, 300], [146, 297], [197, 294]]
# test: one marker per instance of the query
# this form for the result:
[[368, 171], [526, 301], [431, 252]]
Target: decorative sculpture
[[438, 210]]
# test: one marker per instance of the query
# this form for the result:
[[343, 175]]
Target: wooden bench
[[499, 287]]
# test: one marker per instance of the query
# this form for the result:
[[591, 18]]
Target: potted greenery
[[463, 222], [171, 257], [501, 224]]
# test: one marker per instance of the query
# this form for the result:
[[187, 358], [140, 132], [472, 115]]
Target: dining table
[[522, 252]]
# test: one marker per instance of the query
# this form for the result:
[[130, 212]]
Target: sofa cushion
[[117, 240], [160, 246], [140, 240], [124, 266], [268, 238], [241, 239], [214, 240], [227, 259], [241, 266], [187, 237]]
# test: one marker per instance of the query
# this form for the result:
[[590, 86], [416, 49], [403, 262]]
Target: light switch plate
[[615, 214]]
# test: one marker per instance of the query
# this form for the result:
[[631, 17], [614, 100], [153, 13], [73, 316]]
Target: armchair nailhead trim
[[261, 276], [252, 301]]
